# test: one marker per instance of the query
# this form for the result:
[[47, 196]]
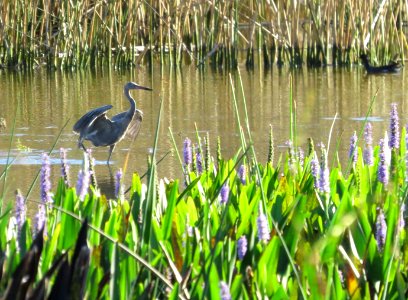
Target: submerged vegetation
[[299, 227], [76, 34]]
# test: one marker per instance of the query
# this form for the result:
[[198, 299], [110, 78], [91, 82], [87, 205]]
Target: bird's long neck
[[132, 102]]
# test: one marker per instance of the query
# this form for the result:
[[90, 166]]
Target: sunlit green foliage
[[192, 239]]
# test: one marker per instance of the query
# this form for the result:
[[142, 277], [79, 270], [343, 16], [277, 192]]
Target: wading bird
[[393, 67], [97, 128]]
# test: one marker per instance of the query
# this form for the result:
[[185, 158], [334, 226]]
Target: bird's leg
[[81, 145], [111, 147]]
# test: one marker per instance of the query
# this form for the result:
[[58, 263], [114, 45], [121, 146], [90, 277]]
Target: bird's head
[[364, 57], [135, 86]]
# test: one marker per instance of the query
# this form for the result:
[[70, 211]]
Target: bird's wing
[[134, 126], [87, 119]]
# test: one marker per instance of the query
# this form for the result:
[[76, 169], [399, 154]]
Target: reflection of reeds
[[92, 32]]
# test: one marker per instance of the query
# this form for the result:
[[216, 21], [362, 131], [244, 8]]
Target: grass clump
[[65, 34]]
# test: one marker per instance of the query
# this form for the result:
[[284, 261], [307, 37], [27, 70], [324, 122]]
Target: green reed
[[65, 34]]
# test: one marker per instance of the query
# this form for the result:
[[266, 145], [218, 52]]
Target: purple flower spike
[[315, 170], [82, 183], [242, 247], [383, 173], [224, 192], [368, 148], [242, 174], [301, 156], [353, 154], [394, 127], [263, 227], [45, 183], [40, 219], [118, 184], [224, 291], [381, 231], [199, 161], [64, 166], [20, 211], [324, 180], [187, 151]]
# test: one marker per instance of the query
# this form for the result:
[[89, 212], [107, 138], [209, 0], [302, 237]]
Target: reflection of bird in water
[[3, 124], [96, 127], [393, 67]]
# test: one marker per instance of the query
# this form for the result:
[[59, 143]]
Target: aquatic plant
[[242, 171], [381, 231], [263, 228], [118, 184], [64, 166], [187, 152], [242, 247], [20, 211], [394, 127], [368, 147], [224, 291], [324, 174], [353, 154], [45, 183], [276, 236], [94, 33], [225, 190], [384, 163]]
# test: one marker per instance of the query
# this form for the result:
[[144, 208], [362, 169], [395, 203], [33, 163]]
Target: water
[[41, 103]]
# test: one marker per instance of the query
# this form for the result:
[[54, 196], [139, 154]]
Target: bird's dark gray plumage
[[101, 131]]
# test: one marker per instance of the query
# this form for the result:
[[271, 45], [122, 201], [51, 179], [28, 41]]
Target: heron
[[101, 131]]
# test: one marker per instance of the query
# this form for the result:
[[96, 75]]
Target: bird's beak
[[139, 87]]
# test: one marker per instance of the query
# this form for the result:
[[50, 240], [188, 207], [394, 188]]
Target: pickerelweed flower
[[187, 152], [20, 211], [64, 166], [324, 180], [224, 193], [315, 169], [242, 247], [224, 291], [40, 219], [353, 153], [301, 156], [381, 231], [45, 183], [383, 164], [118, 184], [394, 127], [82, 183], [199, 162], [263, 227], [368, 147], [242, 174]]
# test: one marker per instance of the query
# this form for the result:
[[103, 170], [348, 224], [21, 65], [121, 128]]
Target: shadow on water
[[106, 182]]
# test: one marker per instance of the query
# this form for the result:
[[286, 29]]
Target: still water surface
[[43, 102]]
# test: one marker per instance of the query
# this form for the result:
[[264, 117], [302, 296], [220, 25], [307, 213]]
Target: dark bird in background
[[101, 131], [393, 67]]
